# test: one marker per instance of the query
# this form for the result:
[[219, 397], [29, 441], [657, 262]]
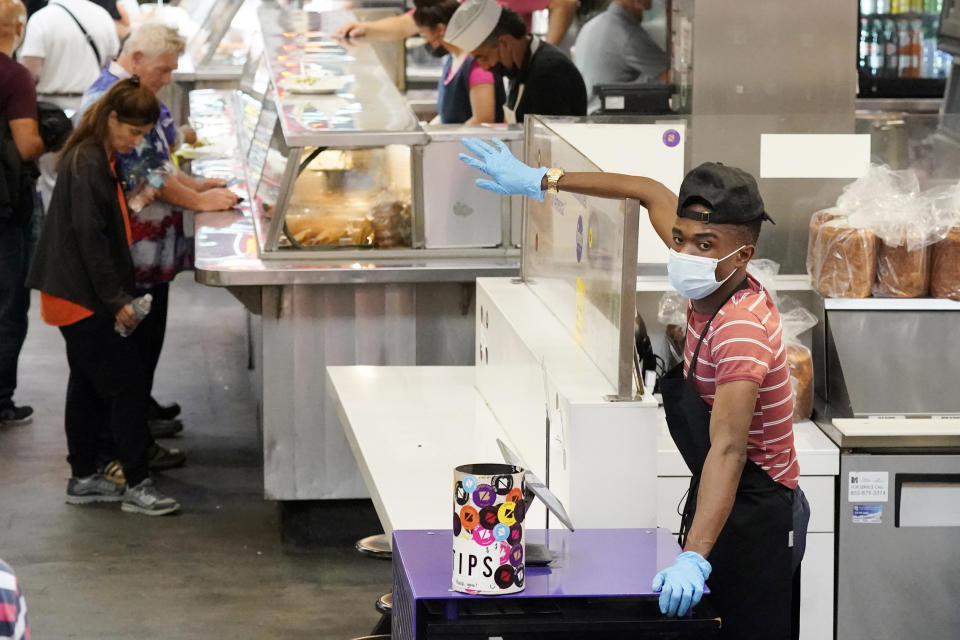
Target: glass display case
[[220, 47], [579, 252], [317, 198]]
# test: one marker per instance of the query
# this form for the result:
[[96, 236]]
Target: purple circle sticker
[[516, 555], [579, 238], [484, 496], [671, 137]]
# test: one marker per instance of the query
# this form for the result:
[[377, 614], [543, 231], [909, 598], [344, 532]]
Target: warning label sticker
[[868, 486]]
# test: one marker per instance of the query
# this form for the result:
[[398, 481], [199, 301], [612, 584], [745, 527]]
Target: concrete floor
[[217, 570]]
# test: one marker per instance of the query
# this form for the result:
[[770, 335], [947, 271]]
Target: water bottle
[[141, 307], [146, 190]]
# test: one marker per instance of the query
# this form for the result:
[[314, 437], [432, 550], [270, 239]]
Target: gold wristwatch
[[553, 177]]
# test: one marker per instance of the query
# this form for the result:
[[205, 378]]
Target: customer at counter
[[561, 14], [542, 80], [20, 145], [614, 48], [84, 271], [160, 248], [466, 93], [729, 405]]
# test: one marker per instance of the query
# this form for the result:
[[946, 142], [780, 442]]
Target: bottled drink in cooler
[[941, 64], [910, 46], [868, 7], [929, 54], [895, 6], [916, 45], [864, 50], [891, 54], [883, 6], [877, 48]]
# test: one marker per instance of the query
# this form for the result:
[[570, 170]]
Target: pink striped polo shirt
[[743, 343]]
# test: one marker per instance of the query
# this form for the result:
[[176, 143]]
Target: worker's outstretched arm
[[509, 176], [392, 28]]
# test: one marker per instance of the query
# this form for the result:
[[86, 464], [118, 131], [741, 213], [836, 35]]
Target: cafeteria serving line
[[625, 366]]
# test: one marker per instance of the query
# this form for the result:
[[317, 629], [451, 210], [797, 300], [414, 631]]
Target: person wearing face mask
[[84, 272], [542, 80], [729, 405], [466, 93]]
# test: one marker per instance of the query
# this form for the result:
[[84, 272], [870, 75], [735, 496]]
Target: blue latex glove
[[510, 176], [681, 586]]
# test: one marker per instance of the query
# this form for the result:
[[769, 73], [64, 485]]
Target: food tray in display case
[[220, 48], [364, 109]]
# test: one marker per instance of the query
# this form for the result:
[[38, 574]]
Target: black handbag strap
[[96, 52]]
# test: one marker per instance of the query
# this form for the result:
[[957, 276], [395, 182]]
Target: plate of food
[[327, 83], [202, 148]]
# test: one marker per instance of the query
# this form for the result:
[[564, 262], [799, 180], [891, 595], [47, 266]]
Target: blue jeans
[[16, 244]]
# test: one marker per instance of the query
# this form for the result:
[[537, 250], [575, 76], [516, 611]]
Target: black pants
[[106, 390], [148, 341], [15, 247], [756, 564], [151, 331]]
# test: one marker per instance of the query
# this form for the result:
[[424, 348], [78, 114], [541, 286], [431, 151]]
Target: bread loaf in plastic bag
[[945, 267]]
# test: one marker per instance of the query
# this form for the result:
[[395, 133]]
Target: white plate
[[210, 150], [312, 84]]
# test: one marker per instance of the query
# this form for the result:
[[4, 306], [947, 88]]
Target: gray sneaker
[[144, 498], [95, 488]]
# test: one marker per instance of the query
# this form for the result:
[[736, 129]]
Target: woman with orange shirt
[[83, 268]]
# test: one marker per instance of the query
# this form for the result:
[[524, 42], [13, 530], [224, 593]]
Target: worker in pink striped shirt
[[729, 405], [13, 608]]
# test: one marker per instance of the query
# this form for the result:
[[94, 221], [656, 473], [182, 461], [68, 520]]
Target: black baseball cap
[[730, 194]]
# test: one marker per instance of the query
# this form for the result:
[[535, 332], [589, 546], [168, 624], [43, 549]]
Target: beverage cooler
[[898, 53]]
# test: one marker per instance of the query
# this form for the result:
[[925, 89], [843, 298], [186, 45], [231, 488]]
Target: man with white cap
[[542, 79]]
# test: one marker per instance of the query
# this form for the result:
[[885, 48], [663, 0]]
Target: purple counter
[[590, 563]]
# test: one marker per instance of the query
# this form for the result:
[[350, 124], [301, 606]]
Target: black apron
[[761, 545]]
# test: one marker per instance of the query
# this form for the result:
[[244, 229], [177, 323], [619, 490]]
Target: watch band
[[553, 177]]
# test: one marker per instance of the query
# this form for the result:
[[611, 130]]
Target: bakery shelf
[[890, 304]]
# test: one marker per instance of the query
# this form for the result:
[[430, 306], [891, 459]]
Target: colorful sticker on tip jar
[[469, 518], [484, 496]]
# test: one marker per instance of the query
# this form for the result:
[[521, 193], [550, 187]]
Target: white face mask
[[695, 276]]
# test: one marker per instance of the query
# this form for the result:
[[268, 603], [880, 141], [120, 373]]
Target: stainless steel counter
[[898, 105], [227, 256]]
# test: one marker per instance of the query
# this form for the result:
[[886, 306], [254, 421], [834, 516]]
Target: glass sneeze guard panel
[[579, 258]]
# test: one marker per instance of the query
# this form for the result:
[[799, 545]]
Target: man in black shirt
[[542, 80], [20, 145]]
